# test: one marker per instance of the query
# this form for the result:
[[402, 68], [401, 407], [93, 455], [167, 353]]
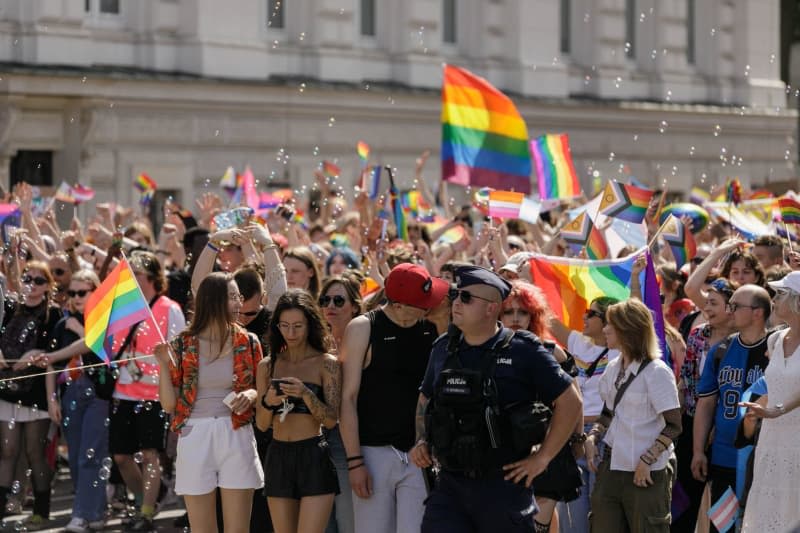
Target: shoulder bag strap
[[593, 367], [624, 386]]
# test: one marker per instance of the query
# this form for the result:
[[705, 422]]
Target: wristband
[[646, 460], [213, 248], [354, 457], [264, 402], [359, 465]]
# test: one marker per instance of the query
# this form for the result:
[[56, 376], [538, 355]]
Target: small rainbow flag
[[790, 210], [761, 194], [554, 168], [733, 192], [330, 170], [484, 138], [508, 204], [451, 236], [64, 193], [596, 246], [626, 202], [362, 149], [680, 241], [115, 305], [143, 183]]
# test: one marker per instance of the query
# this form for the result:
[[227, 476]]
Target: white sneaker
[[79, 525]]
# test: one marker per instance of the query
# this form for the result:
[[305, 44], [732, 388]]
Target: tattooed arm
[[420, 454], [327, 412], [422, 403]]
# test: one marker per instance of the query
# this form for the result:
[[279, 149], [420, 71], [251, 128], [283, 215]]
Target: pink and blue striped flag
[[723, 513]]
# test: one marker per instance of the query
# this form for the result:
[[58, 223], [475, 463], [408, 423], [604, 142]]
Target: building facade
[[675, 92]]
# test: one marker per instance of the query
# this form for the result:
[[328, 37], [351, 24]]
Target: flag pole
[[656, 234], [788, 237], [149, 309]]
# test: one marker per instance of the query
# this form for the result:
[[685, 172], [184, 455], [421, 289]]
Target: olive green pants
[[620, 506]]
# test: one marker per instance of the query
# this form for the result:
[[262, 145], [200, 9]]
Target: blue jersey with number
[[741, 366]]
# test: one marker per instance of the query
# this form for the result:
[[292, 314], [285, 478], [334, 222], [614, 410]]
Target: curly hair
[[749, 260], [531, 299], [317, 331]]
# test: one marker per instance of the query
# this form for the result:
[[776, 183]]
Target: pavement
[[61, 512]]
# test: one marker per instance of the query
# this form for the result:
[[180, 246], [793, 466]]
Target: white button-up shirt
[[638, 419]]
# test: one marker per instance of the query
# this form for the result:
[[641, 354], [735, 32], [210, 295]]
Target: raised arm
[[694, 285]]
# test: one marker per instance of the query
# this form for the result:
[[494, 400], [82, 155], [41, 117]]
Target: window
[[690, 32], [105, 7], [32, 166], [368, 18], [565, 25], [275, 14], [630, 28], [449, 24]]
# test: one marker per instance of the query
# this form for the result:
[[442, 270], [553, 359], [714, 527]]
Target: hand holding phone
[[276, 384]]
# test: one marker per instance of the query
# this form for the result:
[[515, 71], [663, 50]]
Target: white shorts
[[212, 454]]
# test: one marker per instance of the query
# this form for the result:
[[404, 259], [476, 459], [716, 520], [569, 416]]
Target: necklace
[[620, 377]]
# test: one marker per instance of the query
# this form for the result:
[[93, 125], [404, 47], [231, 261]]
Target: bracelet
[[578, 438], [643, 458], [353, 458], [213, 248], [264, 402], [359, 465]]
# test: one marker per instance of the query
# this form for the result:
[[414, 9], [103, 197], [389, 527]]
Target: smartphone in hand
[[276, 384]]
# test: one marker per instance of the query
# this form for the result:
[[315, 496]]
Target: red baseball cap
[[412, 285]]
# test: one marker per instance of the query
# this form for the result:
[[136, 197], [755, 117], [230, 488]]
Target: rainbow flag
[[484, 138], [330, 170], [115, 305], [144, 183], [450, 236], [596, 246], [790, 210], [362, 149], [626, 202], [508, 204], [554, 168], [680, 241], [733, 192], [761, 194], [64, 193]]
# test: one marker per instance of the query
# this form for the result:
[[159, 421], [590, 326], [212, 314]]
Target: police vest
[[465, 426]]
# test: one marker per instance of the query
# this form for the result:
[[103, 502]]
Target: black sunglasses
[[592, 313], [81, 293], [338, 300], [59, 271], [464, 296], [37, 280], [251, 313]]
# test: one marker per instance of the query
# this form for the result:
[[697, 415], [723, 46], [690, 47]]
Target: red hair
[[531, 299]]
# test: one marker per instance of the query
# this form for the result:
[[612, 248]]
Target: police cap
[[474, 275]]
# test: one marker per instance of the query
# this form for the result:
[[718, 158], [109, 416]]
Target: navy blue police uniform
[[524, 372]]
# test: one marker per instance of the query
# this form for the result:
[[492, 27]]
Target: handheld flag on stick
[[228, 180], [373, 185], [576, 232], [554, 168], [625, 202], [484, 138], [64, 193], [397, 207], [362, 149], [115, 305], [144, 183], [790, 210], [680, 241], [723, 513], [330, 170], [507, 204], [81, 193]]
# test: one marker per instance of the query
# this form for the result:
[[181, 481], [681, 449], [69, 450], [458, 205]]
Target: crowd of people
[[322, 375]]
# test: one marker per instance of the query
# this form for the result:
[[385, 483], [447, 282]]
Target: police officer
[[477, 376]]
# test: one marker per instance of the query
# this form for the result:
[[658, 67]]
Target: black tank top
[[389, 391]]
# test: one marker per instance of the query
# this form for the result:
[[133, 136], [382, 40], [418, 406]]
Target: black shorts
[[136, 425], [299, 469]]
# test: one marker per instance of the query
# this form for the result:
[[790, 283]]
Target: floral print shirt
[[184, 374], [697, 347]]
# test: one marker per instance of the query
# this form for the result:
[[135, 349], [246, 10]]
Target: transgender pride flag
[[723, 513]]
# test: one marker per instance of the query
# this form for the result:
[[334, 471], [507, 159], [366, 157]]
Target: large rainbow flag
[[115, 305], [570, 285], [484, 138], [554, 168]]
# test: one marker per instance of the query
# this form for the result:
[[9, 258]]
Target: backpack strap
[[721, 350]]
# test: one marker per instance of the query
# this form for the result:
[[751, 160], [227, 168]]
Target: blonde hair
[[636, 333], [86, 276]]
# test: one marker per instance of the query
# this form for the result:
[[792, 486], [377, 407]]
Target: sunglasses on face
[[338, 300], [37, 280], [591, 313], [81, 293], [59, 271], [464, 296], [251, 313]]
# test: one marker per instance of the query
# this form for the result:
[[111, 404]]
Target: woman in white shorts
[[211, 392]]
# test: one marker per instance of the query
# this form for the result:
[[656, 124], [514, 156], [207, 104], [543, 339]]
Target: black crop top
[[300, 407]]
